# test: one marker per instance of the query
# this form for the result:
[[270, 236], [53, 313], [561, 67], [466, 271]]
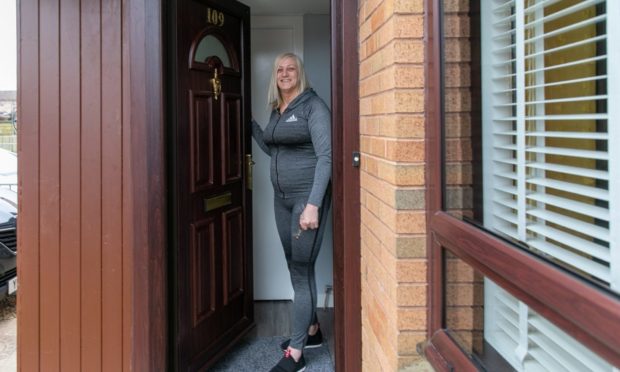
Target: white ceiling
[[287, 7]]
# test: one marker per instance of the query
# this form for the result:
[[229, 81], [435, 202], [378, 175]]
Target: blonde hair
[[273, 95]]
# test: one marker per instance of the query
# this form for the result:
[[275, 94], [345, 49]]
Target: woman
[[298, 139]]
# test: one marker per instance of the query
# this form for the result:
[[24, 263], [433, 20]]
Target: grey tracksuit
[[299, 143]]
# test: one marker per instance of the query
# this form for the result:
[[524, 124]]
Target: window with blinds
[[528, 341], [550, 83], [550, 130]]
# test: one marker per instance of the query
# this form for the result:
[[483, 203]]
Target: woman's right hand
[[309, 218]]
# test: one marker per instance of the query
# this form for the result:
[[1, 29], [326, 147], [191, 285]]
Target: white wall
[[317, 54], [318, 67], [307, 36], [271, 276]]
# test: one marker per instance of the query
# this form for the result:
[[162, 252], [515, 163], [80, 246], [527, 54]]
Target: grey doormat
[[261, 354]]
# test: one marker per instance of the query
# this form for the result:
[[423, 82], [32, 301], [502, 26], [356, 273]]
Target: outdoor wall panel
[[75, 309], [146, 190], [29, 234], [49, 179], [70, 186], [91, 216], [112, 178]]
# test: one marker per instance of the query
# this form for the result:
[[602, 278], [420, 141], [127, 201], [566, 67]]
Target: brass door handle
[[249, 166], [216, 83]]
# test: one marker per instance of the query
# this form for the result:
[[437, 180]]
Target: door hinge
[[356, 159]]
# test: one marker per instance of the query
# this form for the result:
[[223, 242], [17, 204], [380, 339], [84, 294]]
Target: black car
[[8, 247]]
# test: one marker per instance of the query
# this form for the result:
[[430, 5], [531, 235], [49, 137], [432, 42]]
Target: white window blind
[[528, 341], [551, 154], [550, 130]]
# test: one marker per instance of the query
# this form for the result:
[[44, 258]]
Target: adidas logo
[[291, 119]]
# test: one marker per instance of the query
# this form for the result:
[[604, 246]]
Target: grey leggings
[[301, 251]]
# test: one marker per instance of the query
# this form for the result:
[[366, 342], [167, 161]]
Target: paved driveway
[[8, 335]]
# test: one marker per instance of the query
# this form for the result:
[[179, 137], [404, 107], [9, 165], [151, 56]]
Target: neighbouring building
[[7, 100]]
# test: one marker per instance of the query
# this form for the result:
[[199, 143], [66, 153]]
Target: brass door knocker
[[216, 83]]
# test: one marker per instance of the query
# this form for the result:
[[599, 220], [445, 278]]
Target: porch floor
[[258, 350], [273, 319]]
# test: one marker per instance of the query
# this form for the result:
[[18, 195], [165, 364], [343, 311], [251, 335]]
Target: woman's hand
[[309, 218]]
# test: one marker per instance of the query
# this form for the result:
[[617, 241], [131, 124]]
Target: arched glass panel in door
[[211, 46]]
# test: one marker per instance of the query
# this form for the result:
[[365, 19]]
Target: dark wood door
[[214, 245]]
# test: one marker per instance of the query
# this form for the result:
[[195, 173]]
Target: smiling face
[[287, 75]]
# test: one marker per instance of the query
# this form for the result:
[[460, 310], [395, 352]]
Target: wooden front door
[[213, 197]]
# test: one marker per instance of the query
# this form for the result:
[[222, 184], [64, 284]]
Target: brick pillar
[[393, 262]]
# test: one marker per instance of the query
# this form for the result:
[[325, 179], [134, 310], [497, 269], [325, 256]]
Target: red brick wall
[[394, 267]]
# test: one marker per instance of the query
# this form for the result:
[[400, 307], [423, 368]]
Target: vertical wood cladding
[[73, 166]]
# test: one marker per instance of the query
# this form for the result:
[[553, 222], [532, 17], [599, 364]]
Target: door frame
[[346, 185], [147, 24]]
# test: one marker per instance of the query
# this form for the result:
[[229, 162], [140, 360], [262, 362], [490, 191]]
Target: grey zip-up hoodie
[[300, 145]]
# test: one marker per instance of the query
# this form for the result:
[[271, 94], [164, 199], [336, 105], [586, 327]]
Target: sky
[[8, 45]]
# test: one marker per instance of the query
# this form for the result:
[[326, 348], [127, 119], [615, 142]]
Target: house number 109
[[215, 17]]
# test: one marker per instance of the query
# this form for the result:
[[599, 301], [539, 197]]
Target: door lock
[[249, 166]]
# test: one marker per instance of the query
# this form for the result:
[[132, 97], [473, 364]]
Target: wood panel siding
[[91, 206], [28, 259], [90, 182]]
